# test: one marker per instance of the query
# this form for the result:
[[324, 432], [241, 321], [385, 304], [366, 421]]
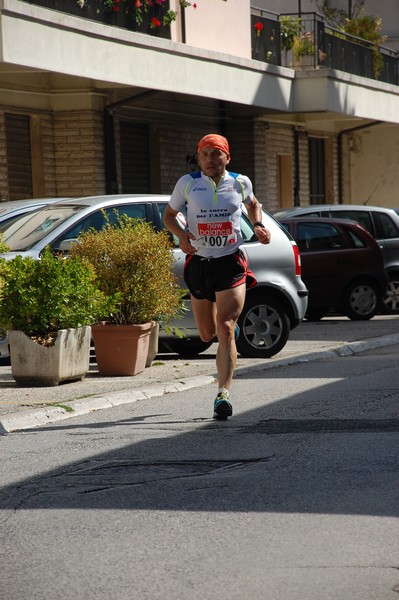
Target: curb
[[43, 416]]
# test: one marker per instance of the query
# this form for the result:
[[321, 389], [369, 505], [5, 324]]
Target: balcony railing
[[116, 13], [320, 46]]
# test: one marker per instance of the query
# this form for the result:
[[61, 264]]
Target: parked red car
[[342, 266]]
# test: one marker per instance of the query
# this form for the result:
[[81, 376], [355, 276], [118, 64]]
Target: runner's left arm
[[255, 216]]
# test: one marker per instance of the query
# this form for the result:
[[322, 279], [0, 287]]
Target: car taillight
[[297, 258]]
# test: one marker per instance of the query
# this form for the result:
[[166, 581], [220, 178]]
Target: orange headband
[[214, 140]]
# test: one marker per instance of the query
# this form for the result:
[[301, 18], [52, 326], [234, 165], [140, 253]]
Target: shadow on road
[[330, 449]]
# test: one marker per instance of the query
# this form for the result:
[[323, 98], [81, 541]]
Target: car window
[[99, 218], [361, 216], [23, 232], [247, 230], [385, 228], [315, 236], [356, 241]]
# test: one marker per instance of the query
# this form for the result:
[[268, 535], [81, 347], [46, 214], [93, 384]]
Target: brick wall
[[278, 139], [79, 153]]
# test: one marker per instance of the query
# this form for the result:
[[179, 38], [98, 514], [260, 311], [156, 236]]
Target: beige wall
[[373, 157], [220, 25]]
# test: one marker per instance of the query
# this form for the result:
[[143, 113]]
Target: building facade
[[90, 107]]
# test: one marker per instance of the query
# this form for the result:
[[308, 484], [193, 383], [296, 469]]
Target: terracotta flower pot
[[121, 349]]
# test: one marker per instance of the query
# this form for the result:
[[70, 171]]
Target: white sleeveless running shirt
[[213, 213]]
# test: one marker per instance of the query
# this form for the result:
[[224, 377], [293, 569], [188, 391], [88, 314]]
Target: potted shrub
[[304, 49], [133, 265], [47, 306], [290, 29]]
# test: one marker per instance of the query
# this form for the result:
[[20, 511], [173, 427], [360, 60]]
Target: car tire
[[265, 327], [360, 301], [390, 303], [185, 347]]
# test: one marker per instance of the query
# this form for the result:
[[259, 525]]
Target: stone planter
[[121, 350], [36, 365], [305, 61]]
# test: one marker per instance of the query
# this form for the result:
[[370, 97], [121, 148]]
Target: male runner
[[215, 270]]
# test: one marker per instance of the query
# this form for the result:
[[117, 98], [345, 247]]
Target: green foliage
[[133, 260], [3, 246], [3, 263], [290, 28], [336, 17], [39, 297], [368, 28], [304, 45], [169, 17]]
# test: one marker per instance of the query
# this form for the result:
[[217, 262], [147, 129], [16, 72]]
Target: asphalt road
[[295, 497], [26, 407]]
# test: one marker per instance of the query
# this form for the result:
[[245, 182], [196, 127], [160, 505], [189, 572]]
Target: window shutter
[[135, 158], [19, 161]]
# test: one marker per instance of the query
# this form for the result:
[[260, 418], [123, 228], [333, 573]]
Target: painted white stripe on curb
[[44, 416]]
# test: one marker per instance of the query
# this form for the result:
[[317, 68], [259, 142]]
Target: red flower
[[258, 27], [116, 7], [195, 5], [138, 3], [155, 23]]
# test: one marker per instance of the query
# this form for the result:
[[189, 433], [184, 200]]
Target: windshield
[[21, 233]]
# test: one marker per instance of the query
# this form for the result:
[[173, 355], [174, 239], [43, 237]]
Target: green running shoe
[[222, 407]]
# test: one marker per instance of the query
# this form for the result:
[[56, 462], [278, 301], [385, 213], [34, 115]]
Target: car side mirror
[[65, 245]]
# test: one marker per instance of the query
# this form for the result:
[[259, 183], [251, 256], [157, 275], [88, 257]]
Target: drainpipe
[[340, 153]]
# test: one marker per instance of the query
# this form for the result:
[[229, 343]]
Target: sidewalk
[[24, 408]]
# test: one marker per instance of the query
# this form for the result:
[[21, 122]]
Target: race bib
[[217, 233]]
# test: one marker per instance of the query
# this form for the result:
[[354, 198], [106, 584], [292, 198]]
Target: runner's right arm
[[171, 223]]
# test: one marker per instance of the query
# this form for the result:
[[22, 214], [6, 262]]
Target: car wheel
[[360, 301], [390, 304], [265, 327], [186, 347]]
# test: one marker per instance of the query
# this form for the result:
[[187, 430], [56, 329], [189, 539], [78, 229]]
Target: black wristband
[[258, 224]]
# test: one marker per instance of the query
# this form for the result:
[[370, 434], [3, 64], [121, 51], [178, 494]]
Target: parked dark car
[[342, 267], [382, 223], [275, 306]]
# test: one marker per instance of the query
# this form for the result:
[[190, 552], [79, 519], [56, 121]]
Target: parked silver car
[[382, 223], [11, 209], [273, 307]]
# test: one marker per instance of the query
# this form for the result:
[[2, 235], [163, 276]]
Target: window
[[135, 158], [385, 228], [361, 216], [317, 180], [356, 241], [97, 220], [19, 162], [314, 236]]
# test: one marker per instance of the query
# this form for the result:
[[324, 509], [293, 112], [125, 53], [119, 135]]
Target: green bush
[[290, 29], [39, 297], [135, 262]]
